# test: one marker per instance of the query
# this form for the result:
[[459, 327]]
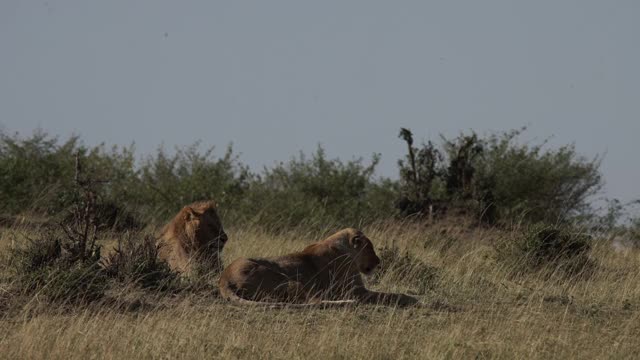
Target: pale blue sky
[[276, 77]]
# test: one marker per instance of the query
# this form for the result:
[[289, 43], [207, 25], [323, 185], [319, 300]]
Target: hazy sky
[[276, 77]]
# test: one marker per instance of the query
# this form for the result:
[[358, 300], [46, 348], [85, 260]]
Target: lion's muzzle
[[370, 267]]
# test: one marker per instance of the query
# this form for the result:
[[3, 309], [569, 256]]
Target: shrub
[[65, 268], [495, 178], [35, 172], [530, 182], [489, 178], [403, 267], [82, 282], [634, 232], [462, 153], [539, 246], [42, 266], [318, 191], [135, 261], [35, 253], [117, 217], [168, 182], [420, 171]]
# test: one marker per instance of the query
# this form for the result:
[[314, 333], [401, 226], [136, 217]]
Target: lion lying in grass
[[326, 272], [194, 237]]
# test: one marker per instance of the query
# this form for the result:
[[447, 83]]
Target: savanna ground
[[477, 302]]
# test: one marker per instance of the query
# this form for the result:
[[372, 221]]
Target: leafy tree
[[498, 178], [319, 190], [168, 182], [535, 183], [419, 170]]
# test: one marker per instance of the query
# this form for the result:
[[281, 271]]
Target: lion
[[195, 236], [324, 273]]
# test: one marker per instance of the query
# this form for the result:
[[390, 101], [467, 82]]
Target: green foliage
[[634, 232], [539, 246], [168, 182], [537, 184], [470, 193], [498, 178], [37, 173], [619, 221], [420, 171], [82, 282], [65, 268], [35, 253], [545, 243], [403, 267], [32, 170], [135, 261], [41, 266], [490, 178], [318, 191], [462, 152]]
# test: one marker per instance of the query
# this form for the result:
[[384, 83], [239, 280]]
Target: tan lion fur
[[194, 237], [326, 272]]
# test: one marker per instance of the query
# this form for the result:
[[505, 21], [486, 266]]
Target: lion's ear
[[190, 214], [356, 241]]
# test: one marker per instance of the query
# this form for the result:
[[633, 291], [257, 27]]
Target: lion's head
[[359, 248], [202, 224], [195, 234]]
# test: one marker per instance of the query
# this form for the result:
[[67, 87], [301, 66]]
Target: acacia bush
[[498, 179], [406, 268], [64, 262], [493, 178], [40, 265], [135, 261], [537, 184], [540, 246], [421, 173], [35, 173], [318, 191], [166, 182]]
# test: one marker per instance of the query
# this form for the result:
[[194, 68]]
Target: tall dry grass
[[474, 305]]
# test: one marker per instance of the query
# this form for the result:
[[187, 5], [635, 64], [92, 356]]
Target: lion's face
[[363, 253], [206, 228]]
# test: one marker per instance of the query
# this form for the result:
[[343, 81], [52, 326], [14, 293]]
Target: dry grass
[[475, 306]]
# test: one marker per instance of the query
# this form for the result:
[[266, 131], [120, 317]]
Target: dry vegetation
[[477, 303]]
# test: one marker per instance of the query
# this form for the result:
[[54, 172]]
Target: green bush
[[318, 191], [403, 267], [496, 178], [634, 232], [35, 173], [80, 283], [536, 184], [168, 182], [41, 266], [135, 261], [541, 246], [490, 178], [35, 254], [421, 174]]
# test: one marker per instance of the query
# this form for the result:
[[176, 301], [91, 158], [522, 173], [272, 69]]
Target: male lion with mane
[[324, 273], [194, 237]]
